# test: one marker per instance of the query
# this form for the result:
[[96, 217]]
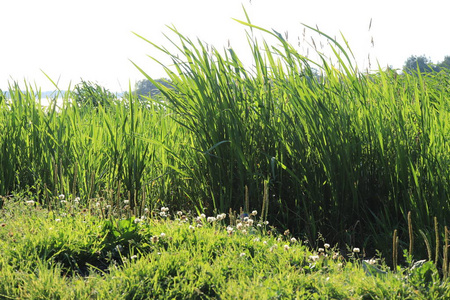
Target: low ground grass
[[94, 252]]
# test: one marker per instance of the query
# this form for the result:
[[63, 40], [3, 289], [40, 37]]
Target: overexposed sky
[[93, 40]]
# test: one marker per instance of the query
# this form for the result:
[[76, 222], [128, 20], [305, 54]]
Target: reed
[[324, 144]]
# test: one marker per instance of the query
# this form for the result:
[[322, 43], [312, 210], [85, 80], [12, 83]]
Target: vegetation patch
[[326, 153], [61, 255]]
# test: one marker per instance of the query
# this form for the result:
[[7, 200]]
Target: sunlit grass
[[329, 151], [77, 252]]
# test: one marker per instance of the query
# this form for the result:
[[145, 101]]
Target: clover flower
[[356, 250], [61, 197], [254, 213], [314, 257], [220, 217]]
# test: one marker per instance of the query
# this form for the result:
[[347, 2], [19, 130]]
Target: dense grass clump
[[343, 153], [336, 151]]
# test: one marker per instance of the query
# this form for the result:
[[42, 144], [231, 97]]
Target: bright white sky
[[93, 40]]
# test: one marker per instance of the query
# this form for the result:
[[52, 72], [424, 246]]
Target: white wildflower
[[239, 226], [221, 217], [314, 257]]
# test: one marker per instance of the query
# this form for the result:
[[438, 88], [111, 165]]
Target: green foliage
[[145, 88], [423, 65], [334, 151], [345, 153], [89, 93], [419, 64], [61, 254]]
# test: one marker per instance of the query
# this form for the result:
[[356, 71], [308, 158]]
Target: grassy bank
[[78, 252]]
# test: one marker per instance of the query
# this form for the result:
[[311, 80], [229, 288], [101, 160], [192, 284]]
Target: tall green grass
[[344, 153], [121, 151], [338, 152]]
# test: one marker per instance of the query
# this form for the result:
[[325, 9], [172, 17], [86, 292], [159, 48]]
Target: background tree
[[419, 63], [445, 64], [144, 88], [89, 93]]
